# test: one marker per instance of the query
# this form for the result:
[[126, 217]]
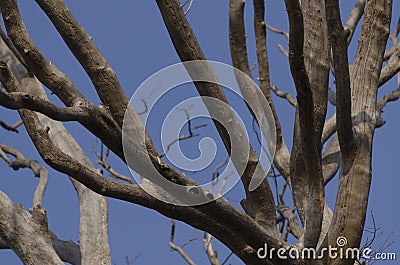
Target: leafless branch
[[214, 174], [89, 56], [353, 192], [338, 42], [184, 137], [284, 95], [283, 51], [21, 100], [103, 162], [389, 97], [331, 160], [22, 162], [185, 3], [282, 157], [354, 18], [227, 258], [305, 105], [393, 37], [292, 225], [178, 248], [189, 7], [188, 49], [43, 69], [208, 247], [13, 128], [145, 107], [86, 113], [392, 66], [278, 31]]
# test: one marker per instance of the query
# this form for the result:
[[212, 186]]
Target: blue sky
[[133, 38]]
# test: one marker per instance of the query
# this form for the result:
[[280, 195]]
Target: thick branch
[[353, 19], [91, 117], [26, 234], [338, 40], [93, 207], [68, 251], [281, 158], [307, 127], [188, 49], [21, 100], [354, 183], [44, 70], [96, 66]]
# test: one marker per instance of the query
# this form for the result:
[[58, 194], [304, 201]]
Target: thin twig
[[284, 51], [22, 162], [190, 6], [184, 137], [284, 95], [177, 248], [103, 162], [227, 258], [208, 246], [278, 31], [145, 107]]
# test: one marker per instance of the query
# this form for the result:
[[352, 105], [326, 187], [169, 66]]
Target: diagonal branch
[[103, 162], [88, 115], [395, 95], [353, 19], [13, 128], [96, 66], [278, 31], [392, 66], [43, 69], [284, 95]]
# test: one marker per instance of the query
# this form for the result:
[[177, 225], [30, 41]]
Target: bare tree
[[318, 44]]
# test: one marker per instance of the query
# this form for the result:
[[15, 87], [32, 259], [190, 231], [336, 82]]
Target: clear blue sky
[[133, 38]]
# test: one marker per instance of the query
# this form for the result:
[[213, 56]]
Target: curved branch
[[43, 69], [89, 56]]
